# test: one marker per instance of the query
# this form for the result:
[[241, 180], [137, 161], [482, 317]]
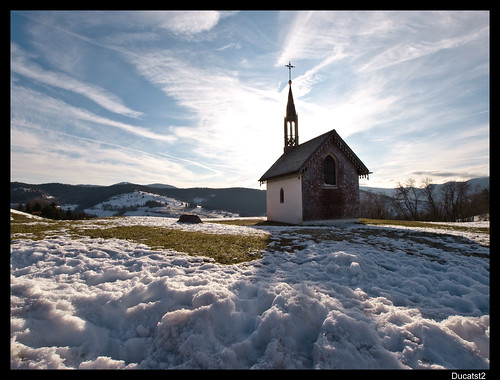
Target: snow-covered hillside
[[144, 203], [349, 296]]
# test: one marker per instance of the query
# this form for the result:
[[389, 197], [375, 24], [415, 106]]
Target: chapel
[[316, 182]]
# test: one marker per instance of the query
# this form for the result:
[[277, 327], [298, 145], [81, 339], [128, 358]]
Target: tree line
[[450, 202], [51, 211]]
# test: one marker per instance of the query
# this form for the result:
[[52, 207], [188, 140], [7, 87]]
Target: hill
[[241, 201], [130, 199]]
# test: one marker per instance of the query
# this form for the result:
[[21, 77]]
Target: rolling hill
[[163, 199], [241, 201]]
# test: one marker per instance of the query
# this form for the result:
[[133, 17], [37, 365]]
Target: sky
[[197, 98]]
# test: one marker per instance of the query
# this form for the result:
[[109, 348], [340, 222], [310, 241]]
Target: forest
[[449, 202], [50, 210]]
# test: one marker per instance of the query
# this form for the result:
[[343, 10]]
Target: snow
[[349, 296], [134, 204], [26, 215]]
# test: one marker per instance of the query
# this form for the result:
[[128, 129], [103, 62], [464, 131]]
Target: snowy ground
[[350, 296]]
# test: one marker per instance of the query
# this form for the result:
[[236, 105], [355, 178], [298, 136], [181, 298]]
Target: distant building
[[316, 182]]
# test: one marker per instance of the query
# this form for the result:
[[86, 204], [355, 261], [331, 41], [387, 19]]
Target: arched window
[[330, 170], [282, 196]]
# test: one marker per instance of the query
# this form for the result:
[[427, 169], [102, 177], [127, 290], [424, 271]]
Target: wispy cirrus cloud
[[316, 35], [408, 50], [138, 25], [59, 155], [227, 115], [185, 23], [395, 84], [21, 65], [30, 103], [210, 90]]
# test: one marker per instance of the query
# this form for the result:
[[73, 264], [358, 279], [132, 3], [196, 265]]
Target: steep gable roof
[[295, 160]]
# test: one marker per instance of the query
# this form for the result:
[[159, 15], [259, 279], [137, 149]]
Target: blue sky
[[198, 98]]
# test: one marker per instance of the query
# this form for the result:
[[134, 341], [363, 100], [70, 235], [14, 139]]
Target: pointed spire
[[291, 123], [290, 107]]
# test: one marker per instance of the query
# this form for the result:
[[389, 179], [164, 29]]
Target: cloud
[[371, 41], [41, 155], [315, 35], [229, 118], [361, 99], [193, 89], [409, 50], [446, 174], [395, 85], [446, 154], [180, 23], [186, 23], [27, 103], [20, 65], [189, 162], [401, 86]]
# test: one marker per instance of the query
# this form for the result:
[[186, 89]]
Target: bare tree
[[479, 203], [454, 200], [374, 206], [462, 203], [406, 200], [433, 211]]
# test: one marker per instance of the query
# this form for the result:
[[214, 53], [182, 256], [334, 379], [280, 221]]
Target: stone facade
[[325, 202]]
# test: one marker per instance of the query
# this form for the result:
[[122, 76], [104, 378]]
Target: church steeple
[[291, 123]]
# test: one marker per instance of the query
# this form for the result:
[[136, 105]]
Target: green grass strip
[[223, 248], [411, 223]]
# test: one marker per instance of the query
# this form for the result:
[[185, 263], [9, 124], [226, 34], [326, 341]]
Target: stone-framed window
[[330, 171]]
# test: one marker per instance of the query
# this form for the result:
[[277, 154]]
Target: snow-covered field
[[349, 296]]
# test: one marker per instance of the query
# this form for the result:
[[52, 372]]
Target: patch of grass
[[375, 222], [22, 226], [248, 222], [229, 248], [237, 222], [411, 223], [224, 249]]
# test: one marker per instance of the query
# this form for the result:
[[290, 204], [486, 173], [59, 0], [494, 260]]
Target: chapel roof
[[295, 160]]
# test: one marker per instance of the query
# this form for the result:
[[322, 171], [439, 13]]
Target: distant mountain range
[[159, 199]]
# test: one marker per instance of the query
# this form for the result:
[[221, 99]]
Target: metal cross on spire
[[290, 67]]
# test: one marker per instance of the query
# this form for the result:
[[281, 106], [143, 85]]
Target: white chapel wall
[[290, 211]]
